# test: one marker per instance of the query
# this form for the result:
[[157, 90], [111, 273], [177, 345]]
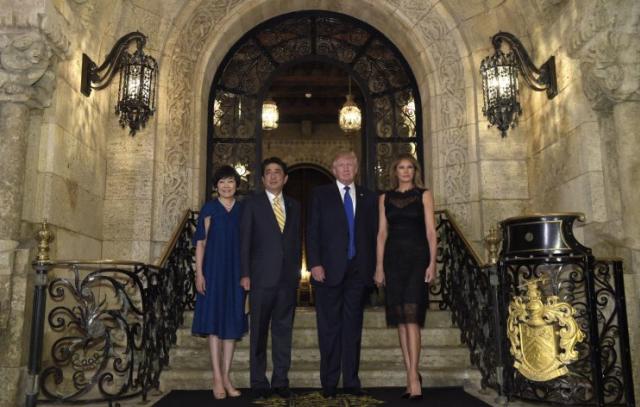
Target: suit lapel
[[359, 202], [340, 204], [266, 205], [287, 212]]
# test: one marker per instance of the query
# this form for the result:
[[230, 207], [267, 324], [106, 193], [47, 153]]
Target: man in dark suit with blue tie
[[270, 254], [341, 250]]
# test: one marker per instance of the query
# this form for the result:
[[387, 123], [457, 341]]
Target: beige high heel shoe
[[219, 395], [233, 392]]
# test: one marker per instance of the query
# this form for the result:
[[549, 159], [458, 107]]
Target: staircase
[[444, 360]]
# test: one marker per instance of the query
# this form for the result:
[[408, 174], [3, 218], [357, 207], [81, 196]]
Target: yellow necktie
[[277, 210]]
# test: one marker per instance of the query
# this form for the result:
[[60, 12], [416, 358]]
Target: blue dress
[[220, 311]]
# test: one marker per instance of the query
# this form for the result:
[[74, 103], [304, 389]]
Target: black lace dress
[[406, 257]]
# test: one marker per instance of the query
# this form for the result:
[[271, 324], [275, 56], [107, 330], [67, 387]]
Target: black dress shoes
[[283, 392], [355, 391], [329, 392], [261, 394]]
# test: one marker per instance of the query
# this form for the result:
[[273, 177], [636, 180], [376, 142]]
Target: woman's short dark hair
[[226, 171], [274, 160]]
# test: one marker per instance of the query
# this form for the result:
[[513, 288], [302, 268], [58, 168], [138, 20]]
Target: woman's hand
[[378, 277], [201, 286], [430, 274]]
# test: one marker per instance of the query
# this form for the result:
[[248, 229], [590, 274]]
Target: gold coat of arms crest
[[543, 336]]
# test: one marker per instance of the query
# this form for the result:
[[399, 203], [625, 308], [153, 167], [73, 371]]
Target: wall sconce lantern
[[137, 88], [270, 115], [500, 81], [350, 118]]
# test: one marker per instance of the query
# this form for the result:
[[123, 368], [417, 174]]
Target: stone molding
[[31, 41], [607, 43], [444, 51], [318, 152]]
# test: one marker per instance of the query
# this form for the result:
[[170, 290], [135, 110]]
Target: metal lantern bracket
[[539, 79], [99, 77]]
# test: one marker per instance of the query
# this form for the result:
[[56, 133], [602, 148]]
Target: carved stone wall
[[318, 144]]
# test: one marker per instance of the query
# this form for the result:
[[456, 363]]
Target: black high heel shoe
[[407, 395]]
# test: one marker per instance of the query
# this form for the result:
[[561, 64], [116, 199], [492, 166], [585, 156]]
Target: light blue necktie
[[348, 210]]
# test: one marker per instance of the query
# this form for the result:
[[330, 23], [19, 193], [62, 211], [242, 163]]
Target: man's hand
[[201, 285], [245, 282], [317, 273]]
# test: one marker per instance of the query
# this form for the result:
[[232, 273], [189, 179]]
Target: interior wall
[[67, 146]]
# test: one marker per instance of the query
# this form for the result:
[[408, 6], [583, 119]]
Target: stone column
[[27, 60], [14, 121], [606, 41], [626, 116]]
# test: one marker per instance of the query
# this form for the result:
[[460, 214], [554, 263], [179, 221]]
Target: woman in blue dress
[[219, 312]]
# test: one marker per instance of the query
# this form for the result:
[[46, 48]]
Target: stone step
[[372, 374], [374, 317], [371, 337], [432, 356]]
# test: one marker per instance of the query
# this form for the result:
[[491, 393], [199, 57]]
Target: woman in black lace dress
[[406, 260]]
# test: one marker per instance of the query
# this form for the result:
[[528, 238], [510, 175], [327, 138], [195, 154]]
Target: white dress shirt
[[272, 197], [352, 193]]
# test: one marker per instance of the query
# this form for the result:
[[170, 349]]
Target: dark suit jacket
[[328, 233], [268, 256]]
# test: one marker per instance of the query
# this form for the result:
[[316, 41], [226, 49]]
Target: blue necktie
[[348, 210]]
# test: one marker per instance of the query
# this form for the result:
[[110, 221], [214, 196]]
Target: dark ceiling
[[327, 85]]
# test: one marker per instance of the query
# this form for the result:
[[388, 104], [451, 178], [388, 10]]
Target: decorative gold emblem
[[542, 336]]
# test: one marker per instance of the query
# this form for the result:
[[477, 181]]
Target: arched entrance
[[302, 179], [392, 108]]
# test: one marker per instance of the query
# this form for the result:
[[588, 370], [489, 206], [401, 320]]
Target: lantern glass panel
[[270, 115], [350, 118]]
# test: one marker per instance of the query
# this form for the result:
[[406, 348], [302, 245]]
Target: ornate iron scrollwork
[[544, 247], [116, 322], [384, 77]]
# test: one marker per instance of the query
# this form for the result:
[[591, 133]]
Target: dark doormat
[[379, 396]]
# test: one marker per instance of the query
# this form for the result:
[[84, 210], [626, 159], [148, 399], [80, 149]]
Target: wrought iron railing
[[478, 294], [111, 324], [601, 375], [465, 288]]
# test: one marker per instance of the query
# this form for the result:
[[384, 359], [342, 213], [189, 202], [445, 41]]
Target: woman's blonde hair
[[417, 174]]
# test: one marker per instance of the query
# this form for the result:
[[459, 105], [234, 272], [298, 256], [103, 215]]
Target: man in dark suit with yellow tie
[[270, 254], [341, 250]]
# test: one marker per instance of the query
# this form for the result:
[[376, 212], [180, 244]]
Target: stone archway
[[314, 38], [425, 34]]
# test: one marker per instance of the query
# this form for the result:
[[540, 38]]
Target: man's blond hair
[[345, 154]]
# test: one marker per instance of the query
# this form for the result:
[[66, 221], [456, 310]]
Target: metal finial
[[44, 238], [492, 242]]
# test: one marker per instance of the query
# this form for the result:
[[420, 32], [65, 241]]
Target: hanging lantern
[[136, 101], [500, 90], [137, 89], [500, 80], [270, 115], [350, 118]]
